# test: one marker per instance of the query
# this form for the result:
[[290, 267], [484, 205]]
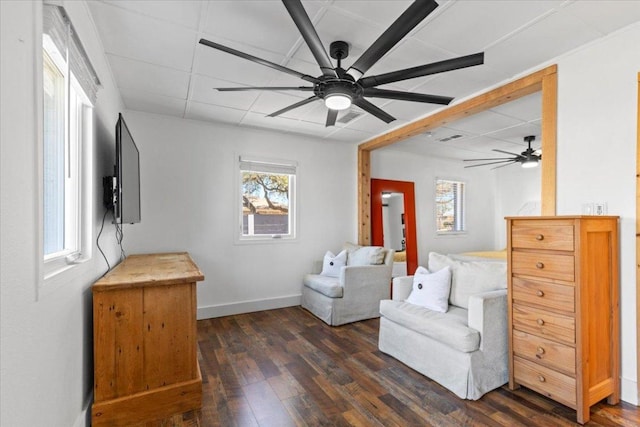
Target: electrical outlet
[[587, 209], [600, 208]]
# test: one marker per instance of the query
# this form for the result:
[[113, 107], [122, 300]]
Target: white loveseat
[[357, 291], [464, 349]]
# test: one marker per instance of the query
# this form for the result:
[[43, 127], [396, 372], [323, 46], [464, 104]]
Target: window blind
[[254, 165], [58, 27]]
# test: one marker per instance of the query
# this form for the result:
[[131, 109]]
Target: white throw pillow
[[470, 277], [364, 255], [331, 264], [431, 290]]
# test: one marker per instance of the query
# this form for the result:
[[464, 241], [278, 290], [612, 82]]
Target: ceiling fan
[[529, 158], [339, 88]]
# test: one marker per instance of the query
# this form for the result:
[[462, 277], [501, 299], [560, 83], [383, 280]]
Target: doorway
[[400, 218]]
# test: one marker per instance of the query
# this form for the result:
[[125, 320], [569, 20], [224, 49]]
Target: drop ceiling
[[159, 67]]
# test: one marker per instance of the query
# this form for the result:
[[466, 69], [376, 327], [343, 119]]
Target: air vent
[[349, 116], [449, 138]]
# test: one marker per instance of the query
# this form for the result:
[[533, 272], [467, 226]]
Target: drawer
[[559, 297], [542, 236], [545, 352], [544, 323], [557, 386], [551, 266]]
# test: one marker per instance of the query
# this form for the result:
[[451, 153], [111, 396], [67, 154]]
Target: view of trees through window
[[449, 206], [265, 203]]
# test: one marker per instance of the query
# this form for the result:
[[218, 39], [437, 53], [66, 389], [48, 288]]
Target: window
[[449, 206], [267, 199], [69, 86]]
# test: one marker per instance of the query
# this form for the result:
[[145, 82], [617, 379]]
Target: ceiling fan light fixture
[[337, 101], [530, 162]]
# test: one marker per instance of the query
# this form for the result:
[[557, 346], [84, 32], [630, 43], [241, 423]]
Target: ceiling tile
[[207, 112], [484, 122], [383, 14], [269, 102], [263, 24], [181, 12], [468, 27], [130, 74], [542, 41], [604, 15], [349, 135], [151, 103], [527, 108], [132, 35], [407, 110], [516, 134], [225, 66], [203, 91]]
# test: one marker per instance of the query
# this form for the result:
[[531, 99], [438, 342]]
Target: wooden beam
[[364, 197], [549, 148], [638, 244]]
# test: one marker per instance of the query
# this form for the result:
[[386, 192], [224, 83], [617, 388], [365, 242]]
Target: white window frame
[[460, 213], [78, 132], [267, 165]]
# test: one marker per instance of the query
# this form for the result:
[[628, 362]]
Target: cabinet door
[[169, 334], [118, 355]]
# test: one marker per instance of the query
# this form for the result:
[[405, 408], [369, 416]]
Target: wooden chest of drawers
[[563, 298]]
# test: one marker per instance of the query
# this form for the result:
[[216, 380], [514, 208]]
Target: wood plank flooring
[[287, 368]]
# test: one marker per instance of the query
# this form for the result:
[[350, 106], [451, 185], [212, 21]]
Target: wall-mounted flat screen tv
[[127, 201]]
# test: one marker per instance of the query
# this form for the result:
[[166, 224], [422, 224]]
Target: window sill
[[451, 234], [264, 240]]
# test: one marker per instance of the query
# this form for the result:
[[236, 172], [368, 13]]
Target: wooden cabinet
[[145, 346], [564, 326]]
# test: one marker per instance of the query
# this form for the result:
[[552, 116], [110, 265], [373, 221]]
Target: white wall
[[518, 193], [46, 350], [189, 193], [423, 171], [597, 112]]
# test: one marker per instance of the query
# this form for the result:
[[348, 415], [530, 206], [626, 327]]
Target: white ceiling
[[159, 67]]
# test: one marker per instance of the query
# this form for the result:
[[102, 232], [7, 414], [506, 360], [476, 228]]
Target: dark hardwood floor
[[286, 368]]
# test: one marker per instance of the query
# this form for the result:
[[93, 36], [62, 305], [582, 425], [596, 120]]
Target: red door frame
[[411, 242]]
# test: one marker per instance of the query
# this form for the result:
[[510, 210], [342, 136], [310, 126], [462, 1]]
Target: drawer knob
[[540, 350], [541, 378], [540, 237], [540, 322], [540, 293], [539, 265]]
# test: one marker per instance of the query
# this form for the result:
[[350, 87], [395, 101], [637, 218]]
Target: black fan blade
[[484, 160], [332, 115], [424, 70], [292, 106], [372, 109], [491, 163], [501, 166], [407, 96], [258, 60], [239, 89], [507, 152], [310, 36], [411, 17]]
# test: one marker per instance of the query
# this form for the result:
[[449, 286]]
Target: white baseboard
[[84, 417], [629, 391], [212, 311]]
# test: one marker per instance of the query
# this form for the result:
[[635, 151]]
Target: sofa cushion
[[470, 277], [364, 255], [329, 286], [332, 264], [449, 328], [431, 290]]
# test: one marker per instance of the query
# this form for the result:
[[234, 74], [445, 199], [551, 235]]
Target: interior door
[[380, 186]]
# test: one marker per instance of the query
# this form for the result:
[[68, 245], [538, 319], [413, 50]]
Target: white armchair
[[354, 295]]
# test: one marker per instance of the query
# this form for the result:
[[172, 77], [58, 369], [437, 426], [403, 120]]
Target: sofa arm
[[402, 287], [488, 315], [369, 278]]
